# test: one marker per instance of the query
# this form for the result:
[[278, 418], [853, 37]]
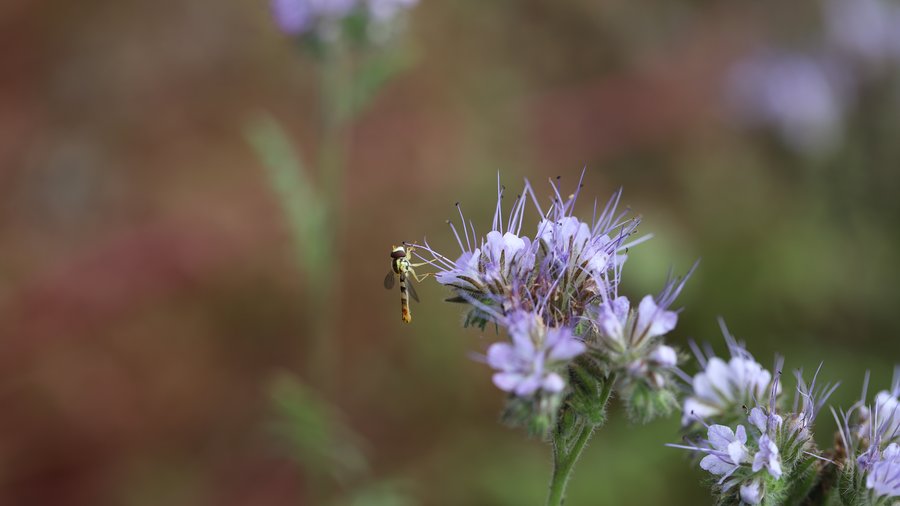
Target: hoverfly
[[402, 267]]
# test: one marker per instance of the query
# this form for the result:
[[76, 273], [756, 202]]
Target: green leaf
[[289, 180], [315, 433]]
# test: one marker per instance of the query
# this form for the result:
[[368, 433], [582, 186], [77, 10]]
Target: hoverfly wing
[[389, 280], [412, 291]]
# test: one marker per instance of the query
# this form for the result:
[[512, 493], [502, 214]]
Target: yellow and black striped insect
[[402, 267]]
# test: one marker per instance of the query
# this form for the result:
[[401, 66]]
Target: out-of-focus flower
[[865, 30], [296, 17], [300, 17], [801, 97], [530, 362], [723, 389]]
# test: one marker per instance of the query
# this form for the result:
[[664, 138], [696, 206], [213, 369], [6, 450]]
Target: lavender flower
[[722, 389], [767, 457], [801, 97], [751, 493], [866, 30], [884, 478], [295, 17], [728, 450], [526, 365]]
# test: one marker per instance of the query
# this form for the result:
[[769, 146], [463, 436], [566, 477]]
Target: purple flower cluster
[[299, 17], [750, 463], [556, 294]]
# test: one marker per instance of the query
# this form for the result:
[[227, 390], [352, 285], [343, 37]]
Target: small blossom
[[729, 450], [751, 493], [611, 317], [664, 356], [653, 320], [764, 422], [526, 365], [767, 457]]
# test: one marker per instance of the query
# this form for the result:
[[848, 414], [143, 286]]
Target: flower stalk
[[570, 438]]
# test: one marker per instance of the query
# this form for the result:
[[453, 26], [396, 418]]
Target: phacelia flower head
[[624, 334], [567, 262], [628, 341], [554, 290], [740, 459], [721, 390], [756, 462]]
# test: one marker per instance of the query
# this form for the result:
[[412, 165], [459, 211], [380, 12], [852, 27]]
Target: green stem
[[336, 93], [564, 461], [566, 454]]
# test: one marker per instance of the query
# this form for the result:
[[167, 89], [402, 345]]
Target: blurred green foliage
[[148, 274]]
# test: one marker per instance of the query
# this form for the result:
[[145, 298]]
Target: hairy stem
[[564, 458], [569, 440]]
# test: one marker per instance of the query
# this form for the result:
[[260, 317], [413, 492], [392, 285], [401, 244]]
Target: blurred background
[[159, 313]]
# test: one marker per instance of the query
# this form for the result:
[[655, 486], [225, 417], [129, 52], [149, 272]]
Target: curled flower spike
[[724, 388]]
